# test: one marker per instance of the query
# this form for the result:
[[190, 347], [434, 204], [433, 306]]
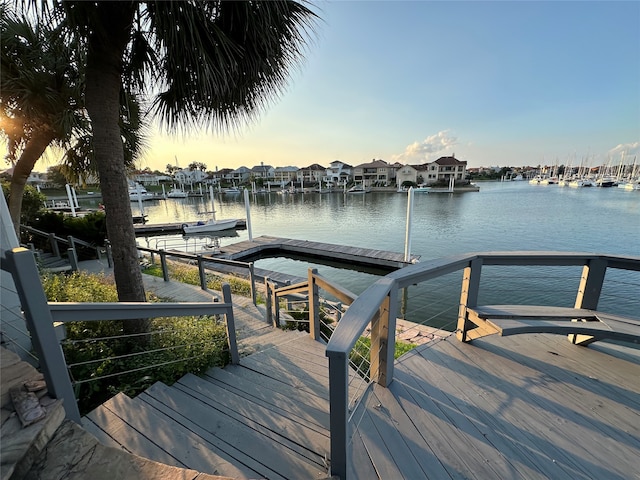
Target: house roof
[[314, 166], [450, 161], [374, 164]]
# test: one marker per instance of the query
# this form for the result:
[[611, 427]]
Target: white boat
[[208, 226], [137, 192], [211, 225], [357, 189], [177, 193], [232, 190], [422, 189]]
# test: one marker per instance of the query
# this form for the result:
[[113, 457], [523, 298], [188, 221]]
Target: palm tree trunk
[[102, 97], [21, 171]]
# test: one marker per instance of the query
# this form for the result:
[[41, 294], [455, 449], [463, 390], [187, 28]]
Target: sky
[[506, 83]]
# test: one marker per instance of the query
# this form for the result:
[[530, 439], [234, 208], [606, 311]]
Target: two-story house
[[239, 175], [265, 172], [312, 174], [285, 175], [338, 173], [376, 172]]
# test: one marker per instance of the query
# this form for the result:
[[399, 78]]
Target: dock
[[368, 259]]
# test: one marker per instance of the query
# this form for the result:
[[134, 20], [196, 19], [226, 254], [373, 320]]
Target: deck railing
[[203, 263], [40, 316], [377, 307]]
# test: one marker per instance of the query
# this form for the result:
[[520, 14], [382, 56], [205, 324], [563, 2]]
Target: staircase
[[265, 418]]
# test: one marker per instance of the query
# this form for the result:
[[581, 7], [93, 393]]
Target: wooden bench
[[582, 325]]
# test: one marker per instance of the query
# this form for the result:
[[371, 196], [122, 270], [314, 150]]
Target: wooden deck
[[266, 246], [529, 406], [522, 407]]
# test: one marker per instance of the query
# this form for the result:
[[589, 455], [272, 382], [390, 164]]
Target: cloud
[[629, 149], [428, 149]]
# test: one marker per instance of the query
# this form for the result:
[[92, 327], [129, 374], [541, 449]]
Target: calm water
[[501, 216]]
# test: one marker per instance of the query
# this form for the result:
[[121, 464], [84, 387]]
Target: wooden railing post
[[203, 274], [269, 301], [383, 340], [314, 305], [589, 292], [72, 255], [468, 296], [338, 413], [40, 324], [252, 281], [107, 246], [163, 265], [54, 245], [231, 325]]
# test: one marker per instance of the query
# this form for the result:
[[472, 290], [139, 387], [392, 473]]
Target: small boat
[[232, 190], [138, 192], [177, 193], [212, 225], [357, 189], [422, 189]]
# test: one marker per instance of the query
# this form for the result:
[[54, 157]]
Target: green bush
[[97, 352]]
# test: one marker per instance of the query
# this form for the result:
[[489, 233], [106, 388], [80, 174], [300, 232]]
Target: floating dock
[[368, 259]]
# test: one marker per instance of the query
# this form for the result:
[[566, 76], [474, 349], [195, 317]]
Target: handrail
[[378, 304], [41, 314], [201, 261]]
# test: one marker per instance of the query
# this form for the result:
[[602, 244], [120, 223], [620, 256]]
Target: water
[[507, 216]]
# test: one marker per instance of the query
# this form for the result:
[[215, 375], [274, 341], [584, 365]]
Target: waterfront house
[[284, 175], [239, 175], [266, 172], [338, 173], [407, 173], [189, 177], [312, 173], [376, 172], [443, 169], [220, 176]]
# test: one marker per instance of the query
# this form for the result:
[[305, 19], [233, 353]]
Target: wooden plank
[[614, 411], [499, 434], [293, 434], [130, 439], [405, 443], [533, 311], [103, 437], [451, 428], [287, 404], [361, 467], [526, 397], [614, 330], [194, 452], [236, 435], [262, 381]]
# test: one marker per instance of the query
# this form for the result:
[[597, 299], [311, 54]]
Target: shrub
[[97, 352]]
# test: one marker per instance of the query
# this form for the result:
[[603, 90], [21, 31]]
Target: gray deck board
[[180, 442], [572, 430], [131, 439], [533, 406], [286, 404], [238, 436], [287, 430]]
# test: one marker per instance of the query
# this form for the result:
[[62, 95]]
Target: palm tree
[[41, 96], [215, 64]]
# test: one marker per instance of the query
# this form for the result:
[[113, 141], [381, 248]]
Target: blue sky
[[495, 83]]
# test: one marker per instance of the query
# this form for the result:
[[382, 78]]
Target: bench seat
[[583, 326]]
